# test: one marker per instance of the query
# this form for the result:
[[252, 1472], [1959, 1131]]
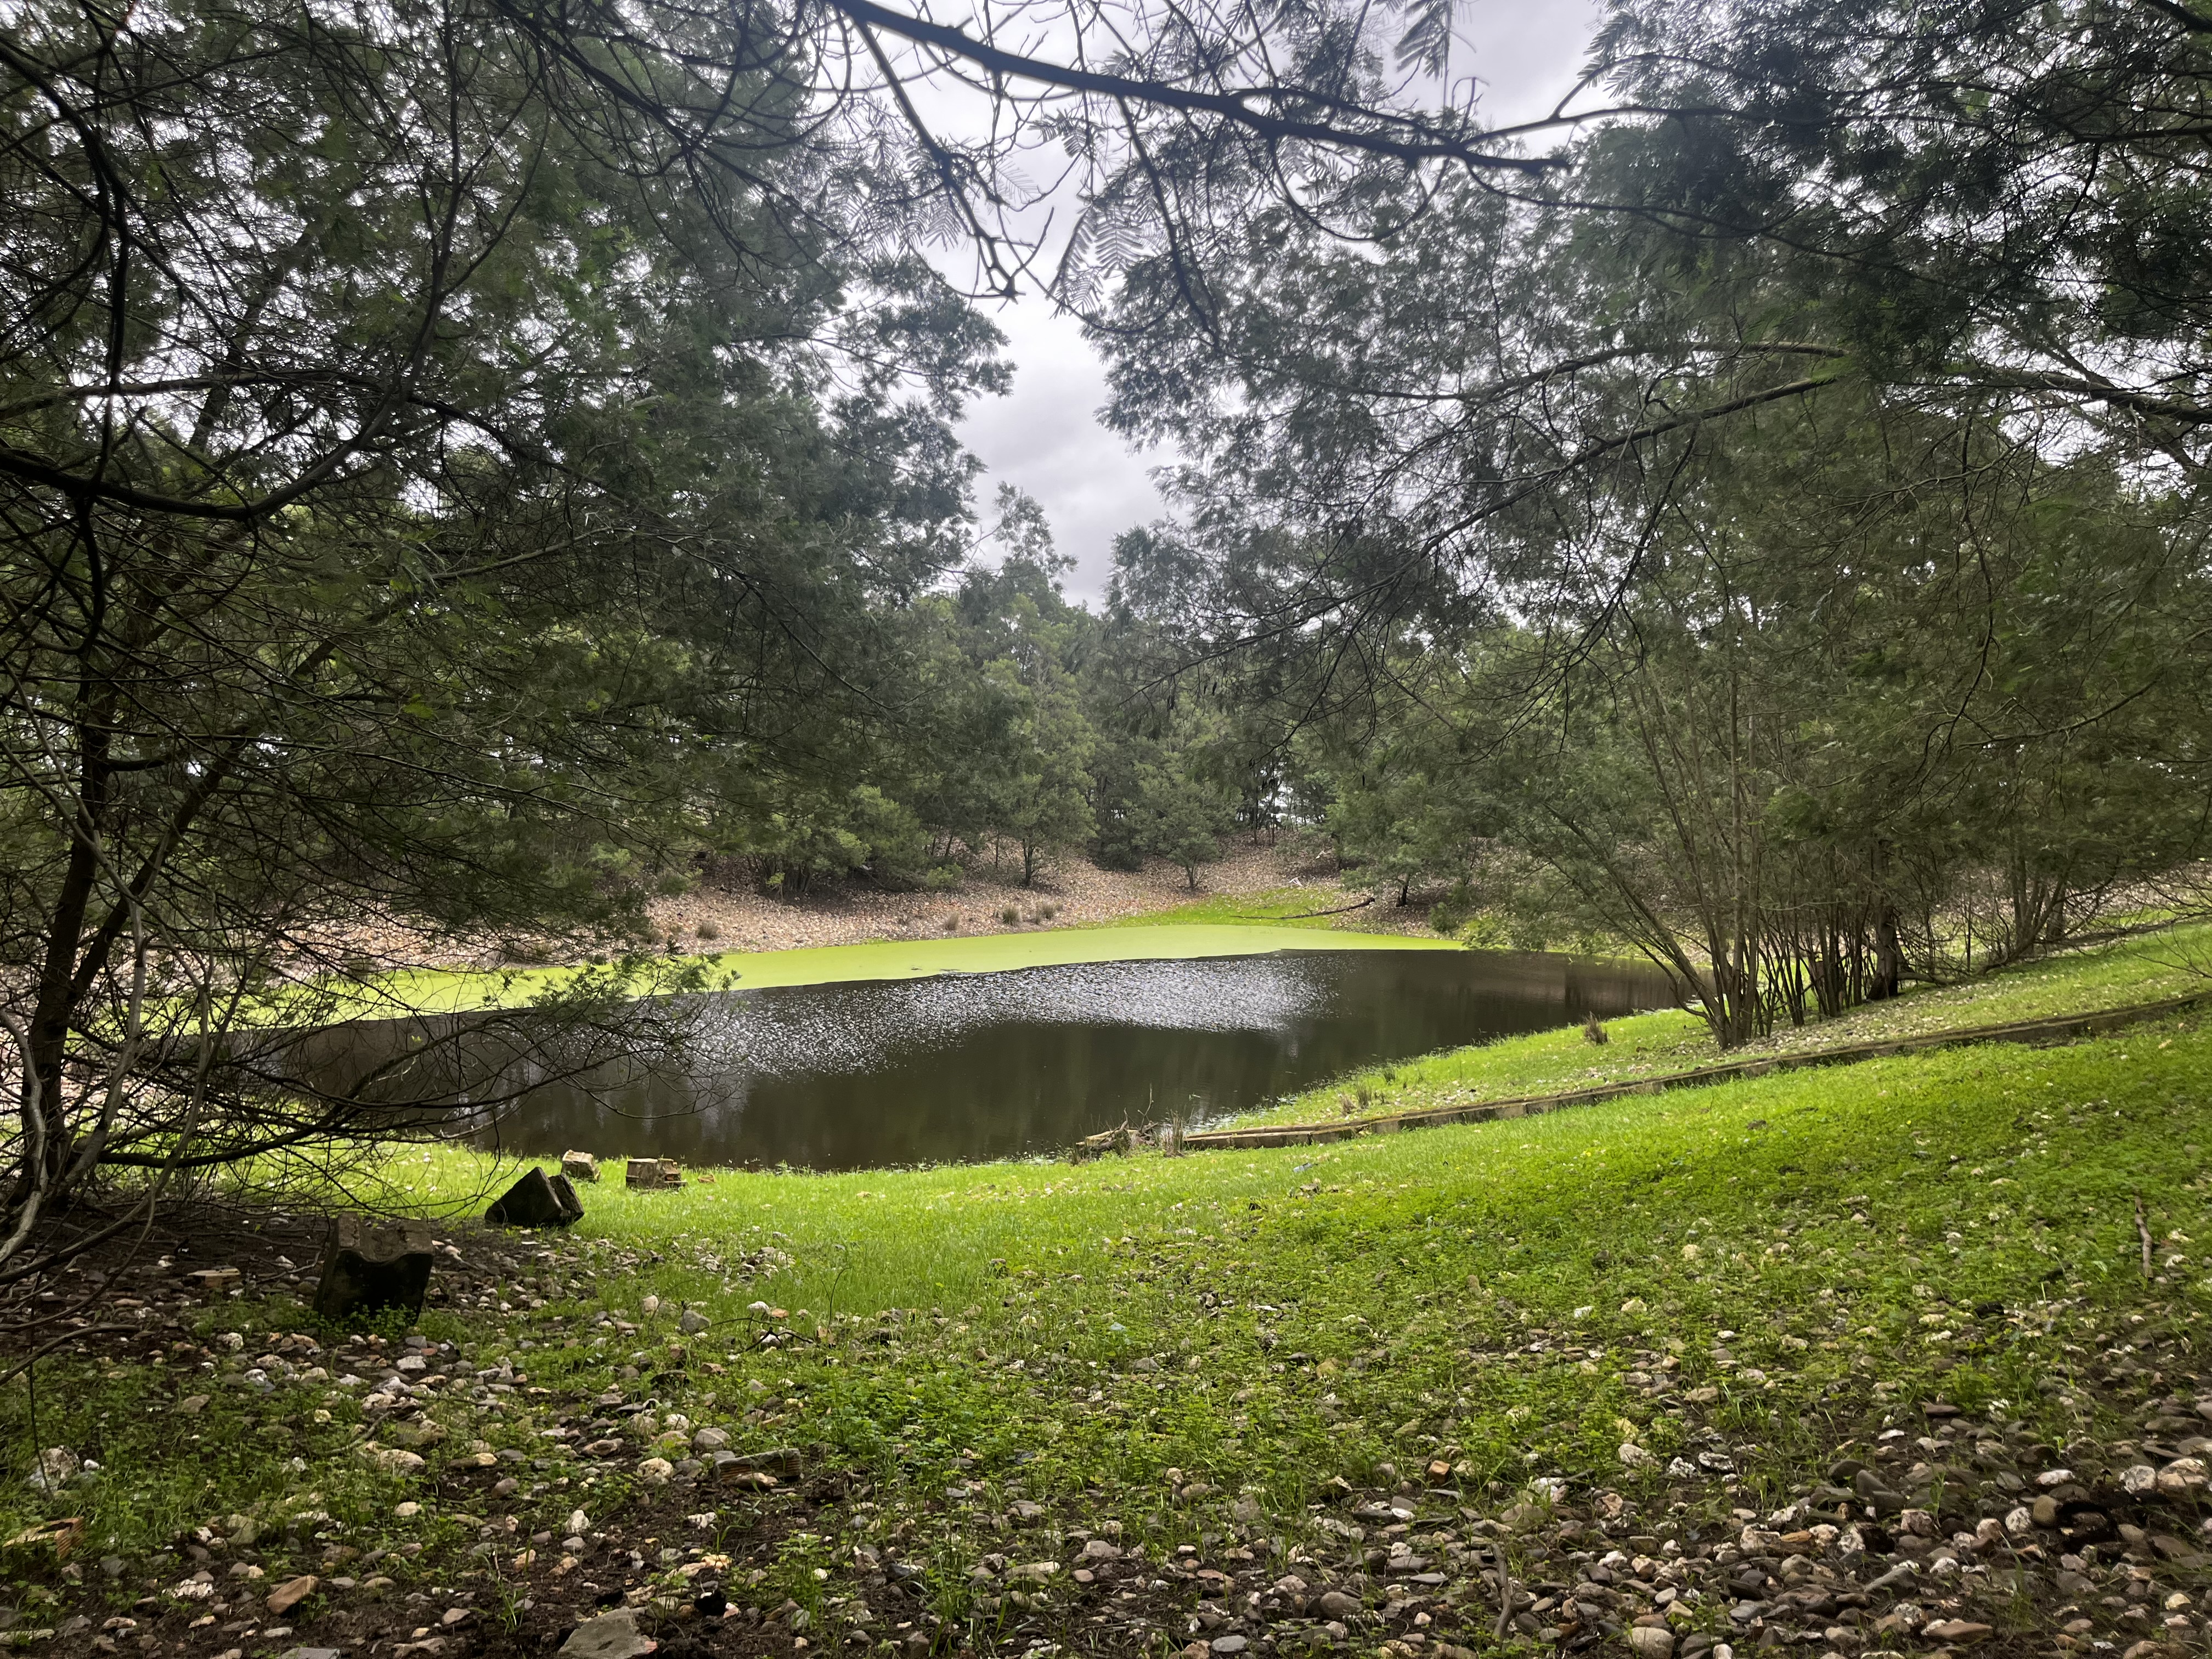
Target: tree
[[419, 487]]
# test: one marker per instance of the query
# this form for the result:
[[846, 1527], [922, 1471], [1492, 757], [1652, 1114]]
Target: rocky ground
[[1942, 1530]]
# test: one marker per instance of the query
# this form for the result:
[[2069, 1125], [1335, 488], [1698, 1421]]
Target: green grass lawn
[[1176, 1357], [2151, 968]]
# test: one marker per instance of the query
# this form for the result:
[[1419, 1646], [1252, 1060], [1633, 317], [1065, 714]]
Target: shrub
[[709, 930], [1010, 916], [952, 924]]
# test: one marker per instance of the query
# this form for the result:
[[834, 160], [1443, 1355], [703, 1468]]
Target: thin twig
[[2143, 1232]]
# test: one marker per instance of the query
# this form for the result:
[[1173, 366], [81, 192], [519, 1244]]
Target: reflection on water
[[964, 1067]]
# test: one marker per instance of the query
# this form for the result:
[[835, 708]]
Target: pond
[[964, 1068]]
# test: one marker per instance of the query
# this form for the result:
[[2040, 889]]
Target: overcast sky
[[1045, 437]]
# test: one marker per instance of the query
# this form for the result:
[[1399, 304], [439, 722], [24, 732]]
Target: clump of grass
[[1010, 917], [1047, 911], [952, 924], [707, 930], [1594, 1032]]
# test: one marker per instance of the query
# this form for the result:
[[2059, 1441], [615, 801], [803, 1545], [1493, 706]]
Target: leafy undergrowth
[[2149, 969], [1630, 1355]]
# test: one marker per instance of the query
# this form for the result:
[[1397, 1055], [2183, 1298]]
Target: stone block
[[537, 1200], [653, 1173], [579, 1166], [367, 1268]]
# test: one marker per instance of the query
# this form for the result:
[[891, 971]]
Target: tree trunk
[[1889, 955]]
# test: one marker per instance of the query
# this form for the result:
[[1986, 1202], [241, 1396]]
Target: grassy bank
[[1123, 1405], [2150, 969]]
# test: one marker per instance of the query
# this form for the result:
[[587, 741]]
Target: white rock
[[2139, 1477], [1633, 1456], [52, 1469], [609, 1636], [2184, 1474]]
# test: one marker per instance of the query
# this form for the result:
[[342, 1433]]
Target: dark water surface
[[964, 1067]]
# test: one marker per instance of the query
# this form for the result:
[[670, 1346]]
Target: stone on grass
[[653, 1173], [610, 1636], [579, 1166], [1337, 1605], [1648, 1642], [367, 1269], [52, 1469], [289, 1594], [537, 1200]]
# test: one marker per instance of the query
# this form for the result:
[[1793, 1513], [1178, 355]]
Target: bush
[[709, 930], [1010, 916], [941, 877]]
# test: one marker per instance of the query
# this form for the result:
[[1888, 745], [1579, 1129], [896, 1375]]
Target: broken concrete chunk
[[367, 1268], [654, 1172], [610, 1636], [579, 1166], [537, 1200]]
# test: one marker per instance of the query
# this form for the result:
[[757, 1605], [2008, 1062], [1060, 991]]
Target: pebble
[[1649, 1642], [289, 1594]]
